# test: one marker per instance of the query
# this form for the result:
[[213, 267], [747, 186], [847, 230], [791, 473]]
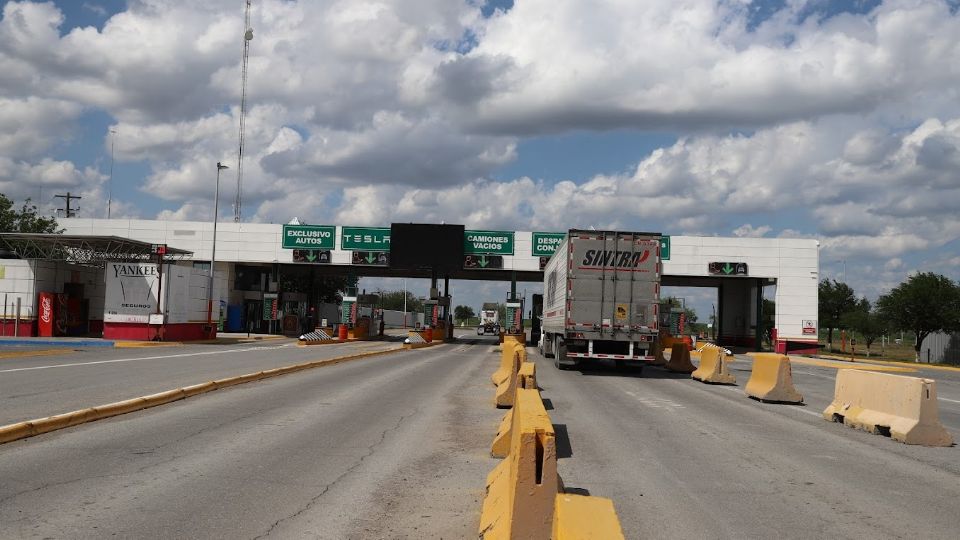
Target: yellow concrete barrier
[[527, 376], [713, 368], [521, 490], [657, 351], [526, 379], [579, 517], [507, 350], [904, 407], [506, 391], [680, 359], [772, 379]]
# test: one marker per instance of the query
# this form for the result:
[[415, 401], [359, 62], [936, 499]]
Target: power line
[[69, 212]]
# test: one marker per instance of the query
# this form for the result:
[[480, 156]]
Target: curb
[[860, 360], [144, 344], [38, 426], [58, 342]]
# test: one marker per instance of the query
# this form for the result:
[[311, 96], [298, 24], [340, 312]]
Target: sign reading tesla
[[727, 269]]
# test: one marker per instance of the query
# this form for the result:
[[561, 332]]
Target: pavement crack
[[370, 450]]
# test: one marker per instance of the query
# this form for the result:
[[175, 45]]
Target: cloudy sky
[[831, 119]]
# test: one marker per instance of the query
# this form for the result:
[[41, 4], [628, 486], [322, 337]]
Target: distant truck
[[489, 320], [601, 298]]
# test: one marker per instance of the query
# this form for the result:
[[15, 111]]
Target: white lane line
[[812, 374], [799, 408], [948, 399], [119, 360]]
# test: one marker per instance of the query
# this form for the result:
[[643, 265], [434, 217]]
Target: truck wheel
[[545, 346], [559, 353]]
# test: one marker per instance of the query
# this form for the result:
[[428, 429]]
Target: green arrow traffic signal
[[311, 256], [727, 268], [483, 262], [370, 258]]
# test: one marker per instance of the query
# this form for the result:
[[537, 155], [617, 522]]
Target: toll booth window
[[249, 278]]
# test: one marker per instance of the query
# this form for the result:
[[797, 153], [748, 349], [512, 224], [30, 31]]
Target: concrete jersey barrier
[[579, 517], [771, 379], [680, 359], [506, 391], [906, 407], [526, 379], [521, 489], [713, 368]]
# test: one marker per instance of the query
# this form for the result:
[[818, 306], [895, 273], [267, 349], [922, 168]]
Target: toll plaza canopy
[[85, 250]]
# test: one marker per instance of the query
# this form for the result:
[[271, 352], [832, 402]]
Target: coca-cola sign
[[46, 309]]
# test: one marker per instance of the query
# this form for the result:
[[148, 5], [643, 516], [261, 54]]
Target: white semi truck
[[601, 298], [489, 317]]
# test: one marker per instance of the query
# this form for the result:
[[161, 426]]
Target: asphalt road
[[387, 447], [682, 459], [37, 386]]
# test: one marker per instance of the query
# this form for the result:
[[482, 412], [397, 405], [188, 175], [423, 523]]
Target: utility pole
[[113, 137], [69, 212], [247, 38]]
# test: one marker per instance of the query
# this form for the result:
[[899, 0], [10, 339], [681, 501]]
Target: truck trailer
[[602, 298]]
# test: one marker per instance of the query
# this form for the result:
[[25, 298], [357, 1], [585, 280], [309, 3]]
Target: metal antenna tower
[[247, 38]]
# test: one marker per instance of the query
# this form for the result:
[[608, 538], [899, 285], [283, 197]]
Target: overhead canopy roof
[[87, 250]]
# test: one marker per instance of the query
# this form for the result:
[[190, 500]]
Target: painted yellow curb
[[140, 344], [41, 352], [913, 365], [30, 428], [849, 365]]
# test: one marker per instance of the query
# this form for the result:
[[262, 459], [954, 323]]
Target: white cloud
[[749, 231]]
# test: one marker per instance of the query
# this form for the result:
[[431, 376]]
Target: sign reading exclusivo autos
[[131, 292]]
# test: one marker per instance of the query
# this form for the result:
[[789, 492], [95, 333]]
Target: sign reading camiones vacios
[[308, 236], [488, 242]]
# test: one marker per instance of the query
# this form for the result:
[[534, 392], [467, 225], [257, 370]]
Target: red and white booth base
[[152, 332], [793, 346]]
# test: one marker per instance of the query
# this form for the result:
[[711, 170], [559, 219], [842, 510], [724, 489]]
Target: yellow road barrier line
[[913, 365], [28, 353], [850, 365], [143, 344], [38, 426]]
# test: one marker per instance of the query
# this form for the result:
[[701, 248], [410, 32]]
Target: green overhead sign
[[488, 242], [664, 248], [308, 236], [365, 239], [545, 243]]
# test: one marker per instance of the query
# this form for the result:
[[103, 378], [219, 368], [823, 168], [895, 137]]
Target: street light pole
[[404, 302], [213, 248]]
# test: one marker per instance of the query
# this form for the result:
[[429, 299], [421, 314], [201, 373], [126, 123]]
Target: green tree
[[923, 304], [393, 300], [864, 320], [836, 298], [462, 313], [25, 220]]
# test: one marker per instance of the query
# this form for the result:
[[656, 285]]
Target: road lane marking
[[800, 408], [948, 399], [121, 360]]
